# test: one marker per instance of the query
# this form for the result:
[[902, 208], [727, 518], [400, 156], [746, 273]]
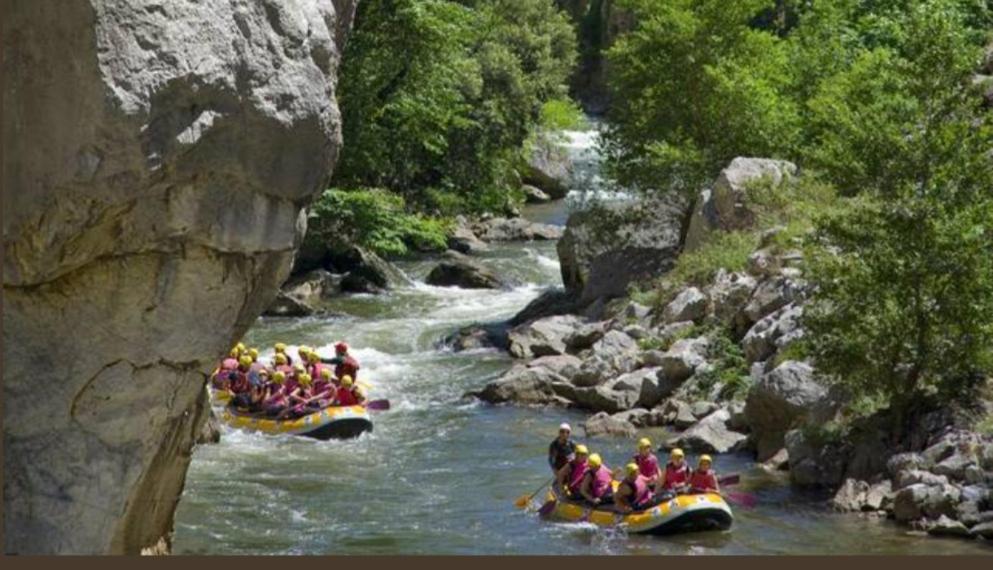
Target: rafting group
[[583, 476], [647, 498], [286, 387]]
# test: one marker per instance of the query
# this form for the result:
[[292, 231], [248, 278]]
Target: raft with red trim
[[333, 422], [682, 513]]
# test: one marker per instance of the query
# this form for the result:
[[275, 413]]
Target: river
[[439, 474]]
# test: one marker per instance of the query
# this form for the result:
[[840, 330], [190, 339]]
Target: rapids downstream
[[439, 474]]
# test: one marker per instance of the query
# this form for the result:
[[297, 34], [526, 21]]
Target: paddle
[[378, 405], [746, 500], [524, 500]]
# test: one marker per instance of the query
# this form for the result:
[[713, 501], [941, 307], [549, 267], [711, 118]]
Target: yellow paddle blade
[[522, 501]]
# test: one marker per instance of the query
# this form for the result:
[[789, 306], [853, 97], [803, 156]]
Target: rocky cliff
[[159, 155]]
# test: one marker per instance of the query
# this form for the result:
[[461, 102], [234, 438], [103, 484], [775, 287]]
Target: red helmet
[[341, 347]]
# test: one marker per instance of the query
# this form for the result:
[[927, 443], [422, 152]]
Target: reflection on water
[[439, 474]]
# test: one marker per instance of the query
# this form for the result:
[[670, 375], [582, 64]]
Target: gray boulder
[[614, 354], [851, 496], [918, 500], [459, 270], [905, 461], [709, 435], [642, 417], [464, 239], [770, 296], [516, 229], [534, 195], [158, 159], [772, 333], [954, 466], [607, 248], [814, 465], [565, 365], [474, 337], [211, 430], [550, 302], [689, 305], [763, 263], [366, 272], [945, 526], [683, 357], [523, 385], [599, 398], [606, 424], [584, 335], [910, 477], [778, 401], [549, 166], [983, 530], [543, 337], [645, 382], [286, 306], [726, 206], [313, 286], [729, 294]]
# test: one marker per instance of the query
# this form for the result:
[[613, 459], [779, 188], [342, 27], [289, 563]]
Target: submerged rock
[[159, 157], [458, 270]]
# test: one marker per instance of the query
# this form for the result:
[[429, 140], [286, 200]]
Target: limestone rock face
[[159, 157]]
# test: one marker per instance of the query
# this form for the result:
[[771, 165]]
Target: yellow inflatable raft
[[335, 422], [683, 513]]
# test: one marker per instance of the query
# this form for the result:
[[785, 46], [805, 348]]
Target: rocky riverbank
[[714, 364]]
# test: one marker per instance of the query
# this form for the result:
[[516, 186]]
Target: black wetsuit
[[558, 453]]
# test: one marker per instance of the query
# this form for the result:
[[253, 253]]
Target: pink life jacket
[[286, 369], [229, 363], [601, 482], [702, 481], [347, 397], [576, 473], [641, 493], [648, 465], [315, 370], [676, 476]]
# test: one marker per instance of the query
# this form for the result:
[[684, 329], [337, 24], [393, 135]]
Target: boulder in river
[[159, 156], [543, 337], [709, 435], [286, 306], [474, 337], [550, 302], [516, 229], [458, 270], [778, 401], [464, 239], [534, 195], [606, 424], [523, 385], [549, 166], [366, 272], [607, 248]]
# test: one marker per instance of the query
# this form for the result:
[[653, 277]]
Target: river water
[[439, 473]]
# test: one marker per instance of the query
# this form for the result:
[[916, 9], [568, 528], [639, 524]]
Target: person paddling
[[561, 448], [633, 493], [676, 476], [349, 394], [276, 401], [570, 476], [648, 464], [596, 486], [344, 364], [703, 479], [280, 348]]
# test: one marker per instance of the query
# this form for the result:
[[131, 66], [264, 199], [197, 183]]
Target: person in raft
[[633, 493], [344, 364], [703, 479], [561, 448], [596, 488], [280, 348], [349, 394], [676, 477], [570, 476], [648, 464]]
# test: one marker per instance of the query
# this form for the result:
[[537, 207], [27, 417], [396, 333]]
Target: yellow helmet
[[281, 358], [245, 360], [706, 458], [254, 353], [234, 353], [240, 346], [280, 347], [582, 450], [676, 453], [326, 373], [303, 350], [644, 442], [299, 369], [631, 468], [595, 460], [305, 378], [346, 381], [312, 356], [279, 376]]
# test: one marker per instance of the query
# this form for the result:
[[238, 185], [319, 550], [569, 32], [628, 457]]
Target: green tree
[[695, 85], [904, 292]]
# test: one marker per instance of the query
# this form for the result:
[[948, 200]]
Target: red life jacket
[[346, 397], [648, 465], [676, 476], [349, 367], [576, 472], [240, 383], [641, 493], [601, 482], [703, 480]]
